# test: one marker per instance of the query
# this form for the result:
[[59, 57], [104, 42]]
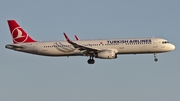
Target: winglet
[[67, 39], [76, 37]]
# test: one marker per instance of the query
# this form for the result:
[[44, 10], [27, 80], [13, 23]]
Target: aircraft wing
[[81, 47]]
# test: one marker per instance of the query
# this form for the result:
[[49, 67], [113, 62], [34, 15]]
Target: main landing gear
[[91, 60], [155, 57]]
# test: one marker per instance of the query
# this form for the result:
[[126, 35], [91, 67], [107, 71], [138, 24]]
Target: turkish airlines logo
[[18, 35]]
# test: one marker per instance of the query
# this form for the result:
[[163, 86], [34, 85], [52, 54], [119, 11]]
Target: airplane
[[97, 48]]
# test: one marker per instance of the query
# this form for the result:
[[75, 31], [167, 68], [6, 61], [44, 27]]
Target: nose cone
[[172, 47]]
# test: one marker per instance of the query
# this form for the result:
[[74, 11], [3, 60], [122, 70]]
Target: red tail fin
[[18, 34]]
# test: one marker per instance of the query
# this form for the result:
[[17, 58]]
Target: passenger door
[[155, 43], [121, 46], [34, 48]]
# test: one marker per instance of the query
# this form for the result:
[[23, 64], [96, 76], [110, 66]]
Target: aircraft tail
[[18, 34]]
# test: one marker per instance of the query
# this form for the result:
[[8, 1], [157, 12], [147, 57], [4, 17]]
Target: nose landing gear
[[155, 57]]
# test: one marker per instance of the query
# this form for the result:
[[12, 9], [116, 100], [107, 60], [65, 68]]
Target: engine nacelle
[[108, 54]]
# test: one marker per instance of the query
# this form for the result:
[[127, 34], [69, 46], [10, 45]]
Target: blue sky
[[25, 77]]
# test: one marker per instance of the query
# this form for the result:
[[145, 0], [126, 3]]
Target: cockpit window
[[165, 42]]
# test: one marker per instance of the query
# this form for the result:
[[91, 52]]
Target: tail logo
[[18, 35]]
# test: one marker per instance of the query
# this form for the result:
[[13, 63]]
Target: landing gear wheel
[[91, 61], [155, 59]]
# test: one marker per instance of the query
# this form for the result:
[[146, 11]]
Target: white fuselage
[[120, 46]]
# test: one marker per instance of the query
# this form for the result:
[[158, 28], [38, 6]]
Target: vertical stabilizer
[[18, 34]]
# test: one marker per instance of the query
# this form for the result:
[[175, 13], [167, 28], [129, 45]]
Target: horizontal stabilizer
[[14, 47]]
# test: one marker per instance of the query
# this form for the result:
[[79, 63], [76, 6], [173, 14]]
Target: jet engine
[[107, 54]]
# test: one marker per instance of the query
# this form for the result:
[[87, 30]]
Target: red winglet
[[76, 37], [67, 39]]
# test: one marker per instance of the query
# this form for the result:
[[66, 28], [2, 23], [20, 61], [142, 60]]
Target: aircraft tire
[[155, 59], [91, 61]]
